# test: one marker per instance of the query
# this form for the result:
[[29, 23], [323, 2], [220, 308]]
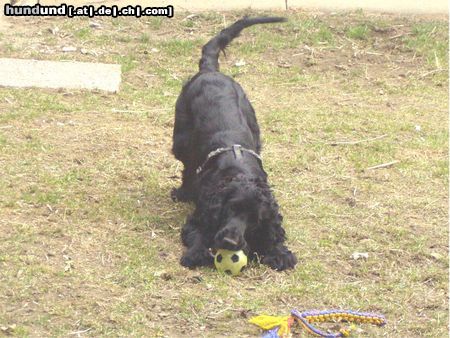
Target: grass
[[423, 40], [359, 32], [89, 239]]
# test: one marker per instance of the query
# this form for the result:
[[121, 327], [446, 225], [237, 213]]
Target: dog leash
[[276, 327], [237, 150]]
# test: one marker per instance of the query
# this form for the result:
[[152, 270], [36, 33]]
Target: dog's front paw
[[229, 239], [280, 259], [198, 258]]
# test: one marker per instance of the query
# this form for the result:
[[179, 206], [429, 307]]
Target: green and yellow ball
[[230, 262]]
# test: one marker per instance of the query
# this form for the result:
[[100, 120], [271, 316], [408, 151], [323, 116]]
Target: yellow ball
[[231, 262]]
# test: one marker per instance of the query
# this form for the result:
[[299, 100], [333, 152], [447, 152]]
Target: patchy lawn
[[89, 239]]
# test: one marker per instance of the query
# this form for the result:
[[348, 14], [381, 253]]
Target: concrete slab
[[59, 74]]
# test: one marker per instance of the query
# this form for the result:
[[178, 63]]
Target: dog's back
[[218, 110]]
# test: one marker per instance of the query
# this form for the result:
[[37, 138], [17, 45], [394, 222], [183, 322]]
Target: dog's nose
[[229, 241]]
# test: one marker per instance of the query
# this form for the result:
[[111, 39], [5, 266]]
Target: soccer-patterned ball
[[231, 262]]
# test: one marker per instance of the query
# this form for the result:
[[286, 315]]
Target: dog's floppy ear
[[269, 214], [271, 223]]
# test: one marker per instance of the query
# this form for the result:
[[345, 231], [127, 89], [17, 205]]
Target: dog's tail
[[210, 52]]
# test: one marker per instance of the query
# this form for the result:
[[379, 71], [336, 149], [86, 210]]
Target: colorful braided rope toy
[[277, 327]]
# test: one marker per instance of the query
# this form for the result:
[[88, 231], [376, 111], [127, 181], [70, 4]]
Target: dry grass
[[89, 240]]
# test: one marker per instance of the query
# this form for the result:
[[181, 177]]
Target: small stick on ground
[[436, 60], [374, 53], [77, 333], [384, 165], [115, 110], [432, 72], [189, 17], [358, 141], [398, 36]]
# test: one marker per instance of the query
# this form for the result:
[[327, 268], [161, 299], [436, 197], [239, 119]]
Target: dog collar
[[237, 150]]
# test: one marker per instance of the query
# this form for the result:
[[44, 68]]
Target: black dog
[[216, 136]]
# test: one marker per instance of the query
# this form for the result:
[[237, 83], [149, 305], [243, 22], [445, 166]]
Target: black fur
[[234, 206]]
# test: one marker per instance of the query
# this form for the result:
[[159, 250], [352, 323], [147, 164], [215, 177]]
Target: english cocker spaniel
[[217, 138]]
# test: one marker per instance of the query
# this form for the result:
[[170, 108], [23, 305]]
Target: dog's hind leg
[[182, 139], [182, 134], [188, 189], [250, 116]]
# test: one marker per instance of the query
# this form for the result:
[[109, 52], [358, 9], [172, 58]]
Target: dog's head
[[236, 210]]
